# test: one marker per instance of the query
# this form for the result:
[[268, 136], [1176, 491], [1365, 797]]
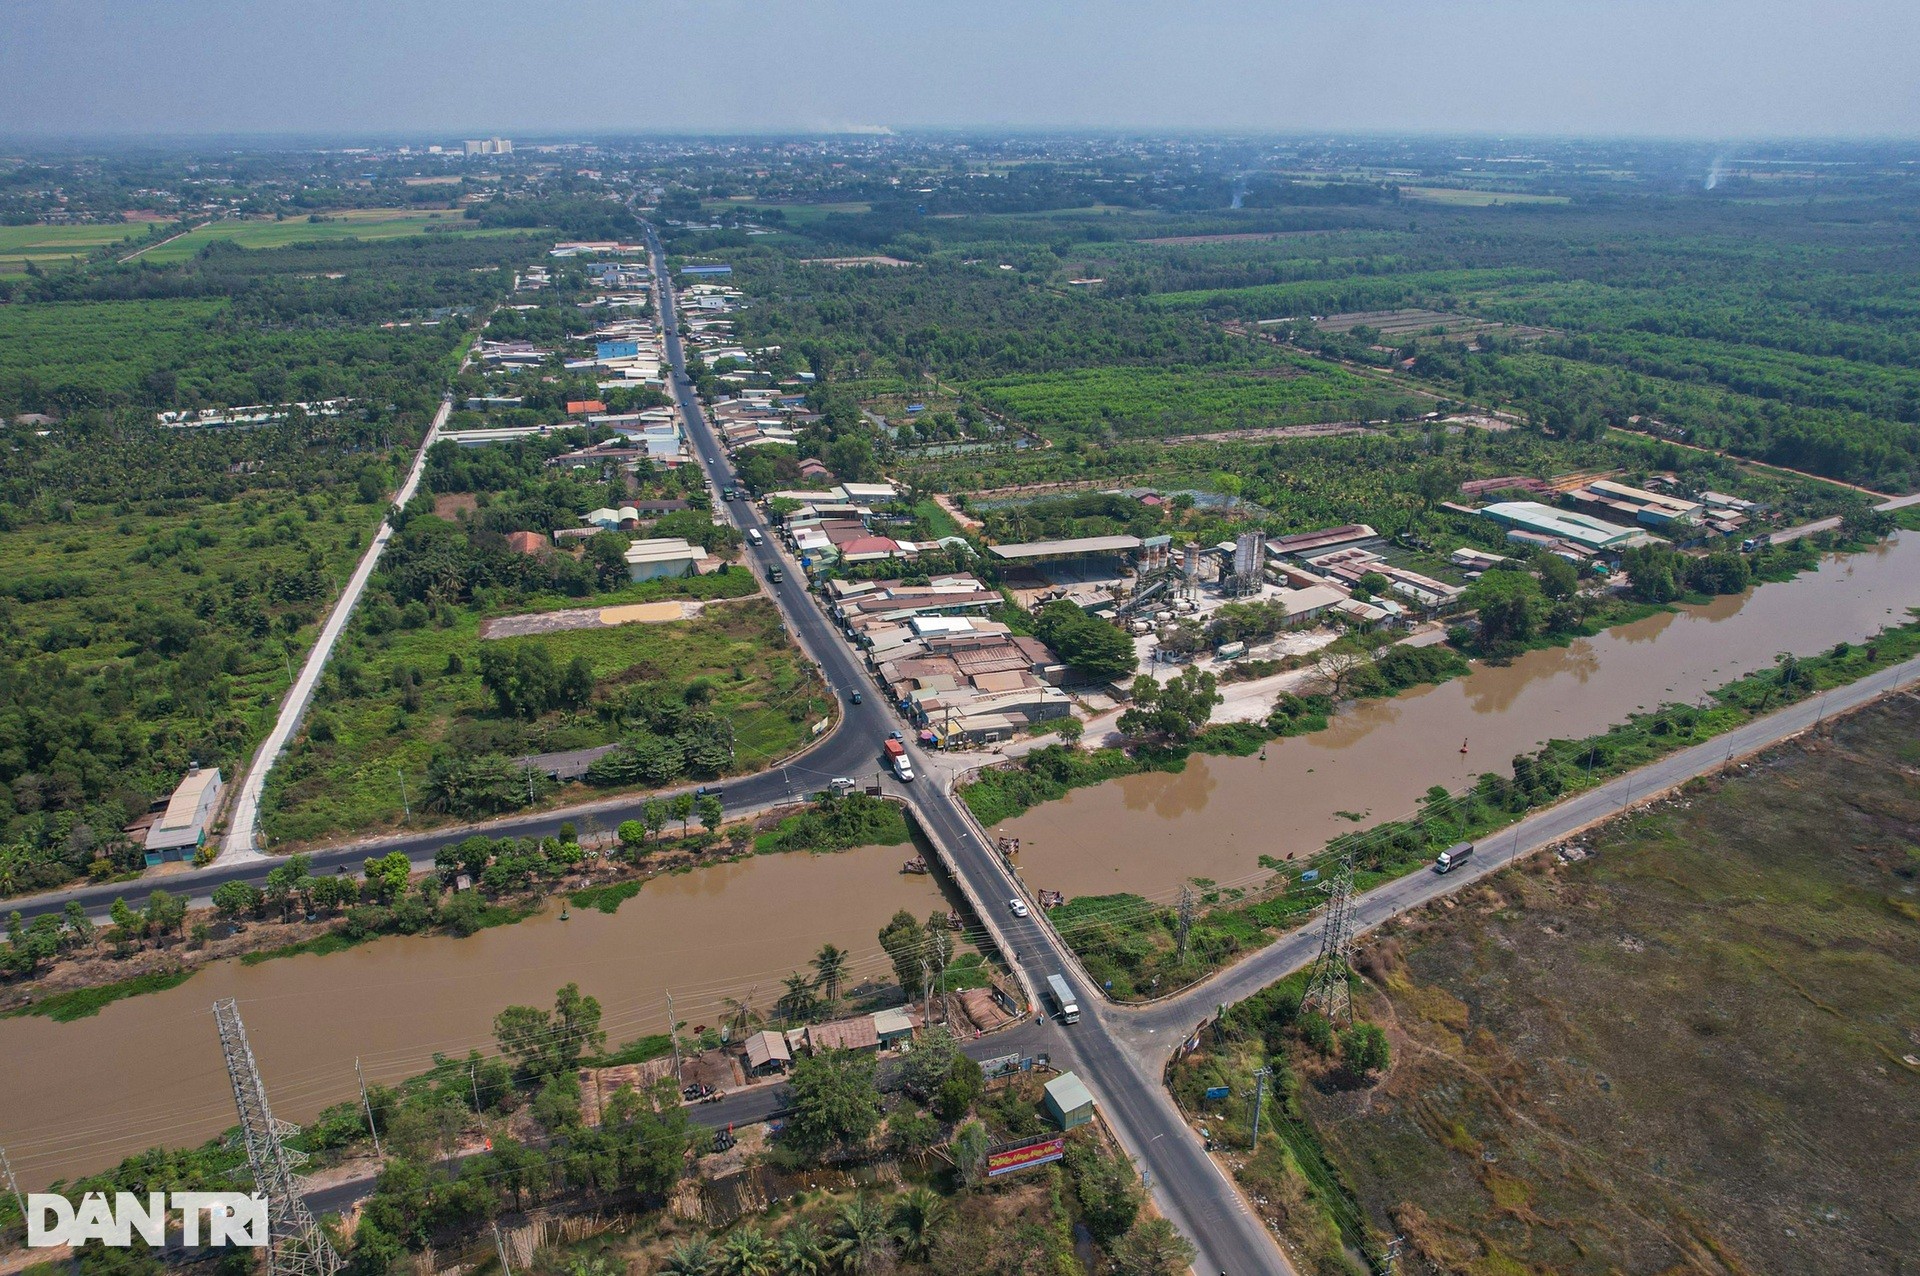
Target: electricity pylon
[[1327, 986], [297, 1245]]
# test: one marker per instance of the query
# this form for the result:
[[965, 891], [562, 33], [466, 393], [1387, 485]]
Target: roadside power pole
[[405, 807], [473, 1080], [673, 1035], [1260, 1076], [1184, 912], [500, 1248], [13, 1185], [368, 1105]]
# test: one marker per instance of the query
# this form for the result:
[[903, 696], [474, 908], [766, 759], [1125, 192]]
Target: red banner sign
[[1007, 1160]]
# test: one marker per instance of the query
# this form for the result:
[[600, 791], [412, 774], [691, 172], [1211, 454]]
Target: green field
[[364, 224], [736, 650], [73, 355], [53, 245], [1458, 198], [1143, 401]]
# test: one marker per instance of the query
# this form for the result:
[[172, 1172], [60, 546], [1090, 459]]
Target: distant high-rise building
[[490, 146]]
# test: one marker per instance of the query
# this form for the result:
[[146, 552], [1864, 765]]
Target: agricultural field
[[364, 224], [1461, 197], [1692, 1046], [1132, 402], [47, 246]]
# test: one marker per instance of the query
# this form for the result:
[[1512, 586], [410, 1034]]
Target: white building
[[182, 829], [663, 557]]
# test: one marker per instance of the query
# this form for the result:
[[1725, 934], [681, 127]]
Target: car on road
[[1018, 907]]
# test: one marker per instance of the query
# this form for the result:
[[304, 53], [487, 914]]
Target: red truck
[[897, 755]]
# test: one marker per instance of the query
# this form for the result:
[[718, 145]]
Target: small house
[[1069, 1102], [893, 1027], [843, 1034], [766, 1053], [181, 830]]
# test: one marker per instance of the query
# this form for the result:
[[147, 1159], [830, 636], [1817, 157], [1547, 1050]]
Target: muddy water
[[1146, 833], [77, 1096]]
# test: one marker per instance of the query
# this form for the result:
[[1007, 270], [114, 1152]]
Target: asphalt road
[[1188, 1187], [1165, 1022]]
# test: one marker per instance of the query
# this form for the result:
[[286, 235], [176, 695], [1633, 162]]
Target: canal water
[[1147, 833], [148, 1070]]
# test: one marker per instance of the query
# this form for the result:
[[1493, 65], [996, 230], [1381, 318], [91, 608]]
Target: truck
[[775, 575], [1062, 996], [1230, 650], [1453, 857], [903, 769], [896, 748]]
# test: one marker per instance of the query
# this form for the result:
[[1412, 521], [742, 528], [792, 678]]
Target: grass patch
[[838, 824], [365, 225], [637, 1051], [319, 946], [608, 898], [81, 1003]]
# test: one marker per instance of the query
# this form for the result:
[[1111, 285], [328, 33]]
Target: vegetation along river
[[147, 1070], [717, 932], [1146, 833]]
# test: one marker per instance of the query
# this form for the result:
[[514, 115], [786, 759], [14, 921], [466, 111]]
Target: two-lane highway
[[1187, 1185]]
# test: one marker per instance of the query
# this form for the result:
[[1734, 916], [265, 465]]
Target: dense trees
[[1093, 647]]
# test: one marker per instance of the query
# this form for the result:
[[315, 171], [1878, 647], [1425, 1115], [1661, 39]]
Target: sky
[[1719, 69]]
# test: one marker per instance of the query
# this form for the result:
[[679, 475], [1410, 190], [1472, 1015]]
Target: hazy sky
[[1700, 68]]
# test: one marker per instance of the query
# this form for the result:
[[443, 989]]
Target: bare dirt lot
[[1695, 1047]]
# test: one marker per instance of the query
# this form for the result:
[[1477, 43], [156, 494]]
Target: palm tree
[[863, 1242], [831, 963], [919, 1215], [740, 1014], [694, 1256], [798, 1002], [801, 1253], [747, 1252]]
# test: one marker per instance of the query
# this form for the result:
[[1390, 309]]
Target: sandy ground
[[547, 622]]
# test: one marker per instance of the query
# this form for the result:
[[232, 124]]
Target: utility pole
[[500, 1248], [1390, 1261], [1260, 1076], [1183, 912], [1327, 986], [405, 807], [474, 1080], [368, 1105], [926, 986], [13, 1185], [673, 1035], [297, 1246]]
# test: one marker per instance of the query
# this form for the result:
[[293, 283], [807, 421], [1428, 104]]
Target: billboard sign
[[1026, 1156]]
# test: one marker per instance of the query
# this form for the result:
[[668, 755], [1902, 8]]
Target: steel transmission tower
[[1327, 989], [298, 1247]]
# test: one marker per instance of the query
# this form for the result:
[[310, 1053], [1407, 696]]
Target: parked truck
[[1064, 1003]]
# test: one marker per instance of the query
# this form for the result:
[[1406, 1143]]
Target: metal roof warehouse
[[1078, 545]]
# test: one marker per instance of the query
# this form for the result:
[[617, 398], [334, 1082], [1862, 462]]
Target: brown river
[[147, 1070], [78, 1096], [1146, 833]]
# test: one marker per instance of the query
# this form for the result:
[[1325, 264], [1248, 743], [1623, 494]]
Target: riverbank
[[85, 970], [1133, 945], [1766, 916]]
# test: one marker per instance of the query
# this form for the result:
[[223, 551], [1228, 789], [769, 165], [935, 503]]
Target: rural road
[[243, 821]]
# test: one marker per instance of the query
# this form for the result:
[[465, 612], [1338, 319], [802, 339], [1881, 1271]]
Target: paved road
[[1165, 1022], [245, 817], [1188, 1187]]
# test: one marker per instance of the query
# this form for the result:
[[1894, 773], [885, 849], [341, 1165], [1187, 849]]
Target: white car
[[1018, 907]]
